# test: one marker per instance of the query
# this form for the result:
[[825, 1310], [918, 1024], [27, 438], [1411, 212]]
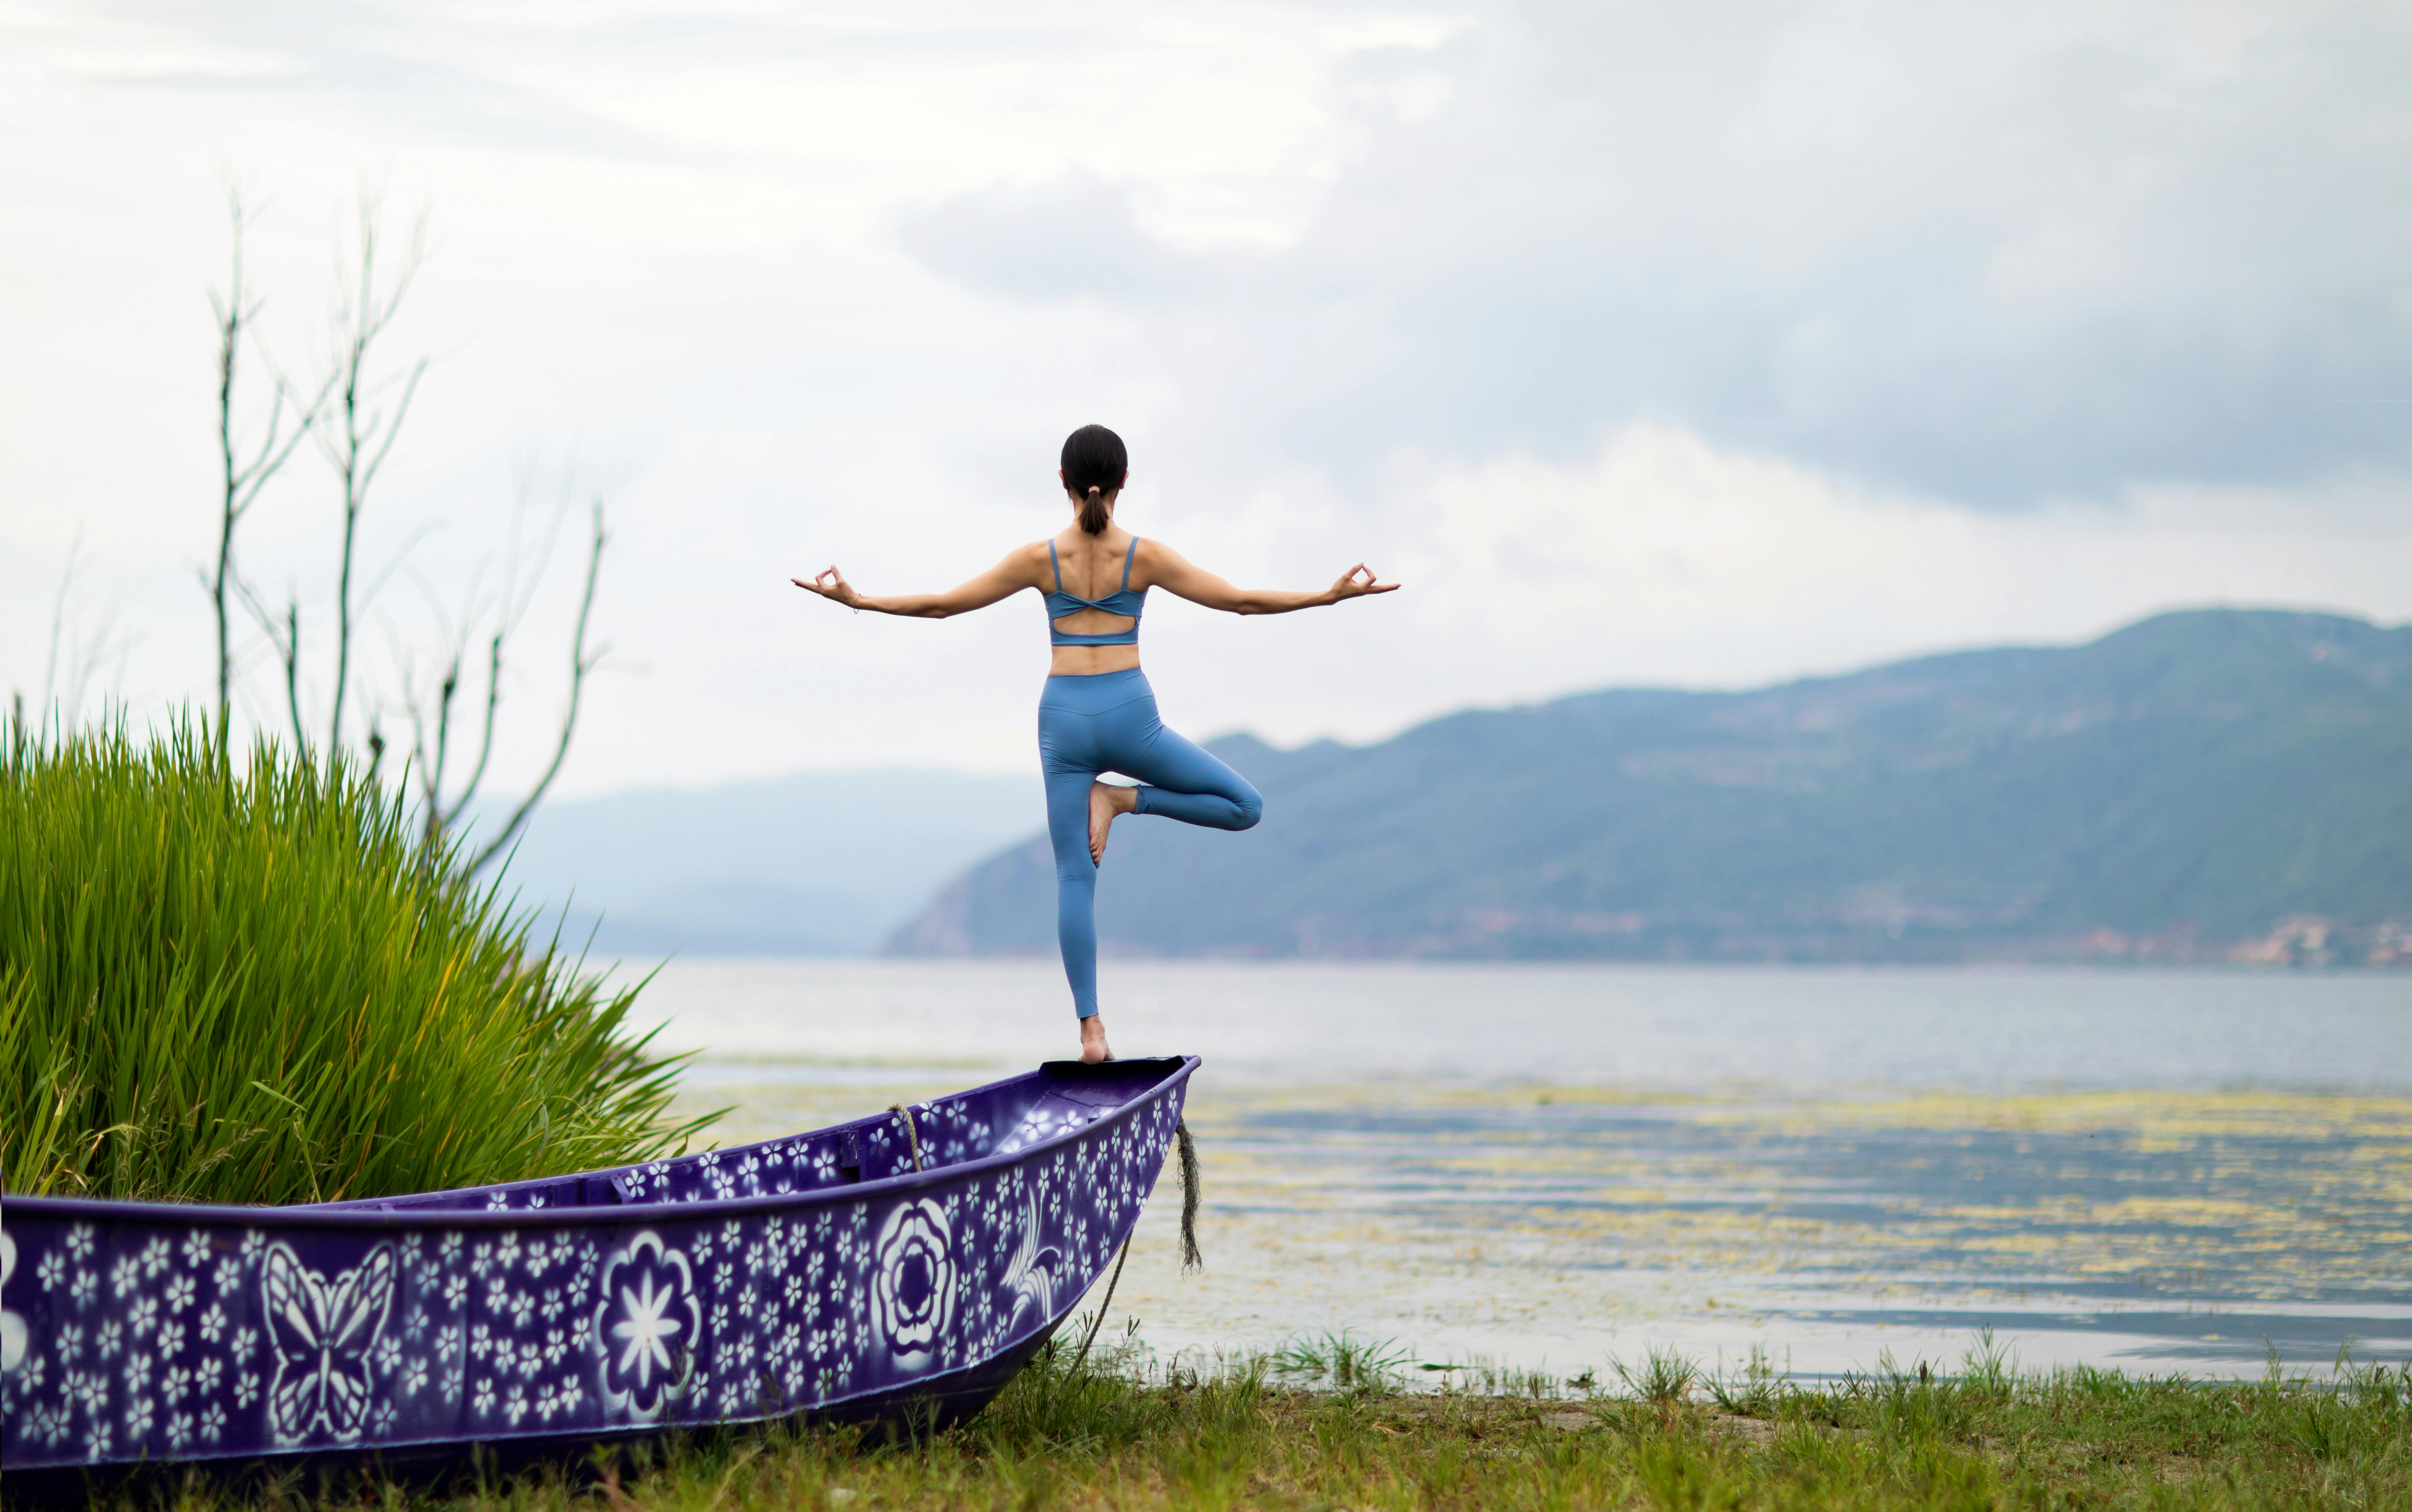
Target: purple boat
[[907, 1264]]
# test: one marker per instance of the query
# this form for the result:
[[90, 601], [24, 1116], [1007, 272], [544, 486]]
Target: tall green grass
[[252, 983]]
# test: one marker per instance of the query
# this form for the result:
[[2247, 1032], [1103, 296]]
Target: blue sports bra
[[1121, 601]]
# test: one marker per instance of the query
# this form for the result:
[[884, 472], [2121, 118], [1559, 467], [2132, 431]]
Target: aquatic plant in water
[[254, 983]]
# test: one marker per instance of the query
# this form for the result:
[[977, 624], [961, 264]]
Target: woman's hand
[[830, 584], [1349, 586]]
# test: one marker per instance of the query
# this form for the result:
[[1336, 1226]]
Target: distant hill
[[816, 864], [2199, 785]]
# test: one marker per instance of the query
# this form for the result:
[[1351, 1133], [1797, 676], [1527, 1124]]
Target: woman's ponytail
[[1094, 465]]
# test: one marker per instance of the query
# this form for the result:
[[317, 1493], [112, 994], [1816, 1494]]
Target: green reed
[[252, 983]]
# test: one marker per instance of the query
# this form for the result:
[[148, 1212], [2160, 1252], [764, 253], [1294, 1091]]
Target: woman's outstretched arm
[[1003, 580], [1176, 574]]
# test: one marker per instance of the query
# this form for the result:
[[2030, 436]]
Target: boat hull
[[820, 1275]]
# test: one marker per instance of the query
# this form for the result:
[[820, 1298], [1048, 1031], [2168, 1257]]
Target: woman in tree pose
[[1098, 713]]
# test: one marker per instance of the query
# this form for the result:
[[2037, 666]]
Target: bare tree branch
[[285, 639], [514, 607], [368, 431], [430, 764], [431, 757], [581, 662], [393, 564], [356, 419], [519, 590], [486, 737], [244, 470]]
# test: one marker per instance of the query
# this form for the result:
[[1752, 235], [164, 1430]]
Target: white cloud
[[1662, 558], [1647, 344]]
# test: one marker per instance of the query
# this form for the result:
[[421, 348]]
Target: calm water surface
[[1556, 1167]]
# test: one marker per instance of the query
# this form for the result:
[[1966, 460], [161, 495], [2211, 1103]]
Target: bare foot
[[1107, 802], [1092, 1039]]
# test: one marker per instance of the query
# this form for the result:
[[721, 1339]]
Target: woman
[[1098, 714]]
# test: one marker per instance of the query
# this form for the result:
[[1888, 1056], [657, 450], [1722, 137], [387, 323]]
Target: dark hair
[[1094, 464]]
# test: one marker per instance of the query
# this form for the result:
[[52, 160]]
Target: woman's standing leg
[[1076, 883], [1068, 759], [1078, 739]]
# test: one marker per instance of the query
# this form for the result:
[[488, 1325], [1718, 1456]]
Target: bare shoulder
[[1153, 554], [1157, 562], [1028, 561]]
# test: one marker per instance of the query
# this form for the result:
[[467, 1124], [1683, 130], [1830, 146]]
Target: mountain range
[[2214, 783], [815, 863]]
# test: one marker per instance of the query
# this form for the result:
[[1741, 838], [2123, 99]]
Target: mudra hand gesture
[[1348, 587], [830, 584]]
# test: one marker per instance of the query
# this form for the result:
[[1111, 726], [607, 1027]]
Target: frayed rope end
[[1190, 1258]]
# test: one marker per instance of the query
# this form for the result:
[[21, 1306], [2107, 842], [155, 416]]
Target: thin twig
[[242, 476], [369, 433], [581, 662], [285, 639]]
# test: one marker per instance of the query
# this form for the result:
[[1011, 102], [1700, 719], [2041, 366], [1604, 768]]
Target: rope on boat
[[911, 1134], [1099, 1321], [1190, 1258], [1190, 1185]]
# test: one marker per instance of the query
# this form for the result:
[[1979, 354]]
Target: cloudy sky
[[1673, 344]]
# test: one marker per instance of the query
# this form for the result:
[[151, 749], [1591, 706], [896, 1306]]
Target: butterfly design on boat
[[838, 1277], [323, 1332]]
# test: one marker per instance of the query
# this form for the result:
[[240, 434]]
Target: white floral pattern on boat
[[647, 1327], [913, 1291], [831, 1277]]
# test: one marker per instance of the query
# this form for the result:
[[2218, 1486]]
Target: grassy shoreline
[[1127, 1434]]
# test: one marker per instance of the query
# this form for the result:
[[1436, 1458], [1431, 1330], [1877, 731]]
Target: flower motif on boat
[[151, 1338], [323, 1332], [13, 1328], [648, 1328], [913, 1284]]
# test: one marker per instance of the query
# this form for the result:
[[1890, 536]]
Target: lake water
[[1553, 1166]]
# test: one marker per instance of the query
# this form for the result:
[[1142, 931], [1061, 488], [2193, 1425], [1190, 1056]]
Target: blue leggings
[[1107, 723]]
